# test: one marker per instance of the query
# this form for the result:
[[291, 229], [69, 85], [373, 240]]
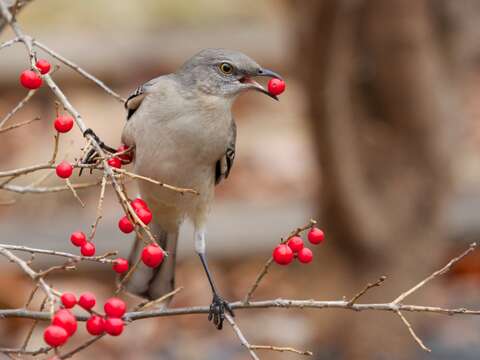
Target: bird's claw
[[91, 157], [217, 311]]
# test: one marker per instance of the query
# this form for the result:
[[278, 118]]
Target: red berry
[[68, 300], [114, 326], [276, 86], [282, 254], [127, 157], [30, 79], [95, 325], [55, 335], [295, 243], [305, 255], [120, 265], [64, 170], [145, 215], [87, 300], [115, 162], [78, 238], [63, 123], [125, 225], [316, 236], [115, 307], [65, 319], [88, 249], [138, 204], [43, 66], [152, 255]]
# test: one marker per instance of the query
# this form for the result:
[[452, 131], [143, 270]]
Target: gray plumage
[[184, 134]]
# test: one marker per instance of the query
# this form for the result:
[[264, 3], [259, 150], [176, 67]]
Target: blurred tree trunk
[[381, 86], [382, 99]]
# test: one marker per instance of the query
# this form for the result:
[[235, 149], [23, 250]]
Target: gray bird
[[182, 128]]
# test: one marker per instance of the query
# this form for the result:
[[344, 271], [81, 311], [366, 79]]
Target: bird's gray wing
[[225, 163], [135, 99]]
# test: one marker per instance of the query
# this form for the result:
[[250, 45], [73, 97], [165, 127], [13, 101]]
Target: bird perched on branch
[[183, 131]]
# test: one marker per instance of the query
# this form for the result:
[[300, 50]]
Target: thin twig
[[99, 208], [80, 348], [410, 329], [241, 337], [78, 69], [18, 107], [366, 288], [161, 299], [442, 271], [156, 182], [74, 192], [15, 126], [281, 349]]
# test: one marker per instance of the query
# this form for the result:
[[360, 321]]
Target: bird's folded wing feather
[[135, 99], [225, 163]]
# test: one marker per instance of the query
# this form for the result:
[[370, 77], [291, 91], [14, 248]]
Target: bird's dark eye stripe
[[226, 68]]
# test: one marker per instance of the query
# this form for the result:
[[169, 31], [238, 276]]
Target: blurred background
[[376, 137]]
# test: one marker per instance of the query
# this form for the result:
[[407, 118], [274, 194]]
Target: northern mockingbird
[[182, 128]]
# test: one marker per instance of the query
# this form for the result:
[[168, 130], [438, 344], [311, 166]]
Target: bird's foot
[[217, 311], [92, 156]]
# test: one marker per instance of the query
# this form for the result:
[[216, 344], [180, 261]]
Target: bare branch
[[78, 69], [366, 288], [241, 337], [410, 329], [442, 271], [15, 126]]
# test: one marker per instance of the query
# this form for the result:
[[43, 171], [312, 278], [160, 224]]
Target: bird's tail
[[153, 283]]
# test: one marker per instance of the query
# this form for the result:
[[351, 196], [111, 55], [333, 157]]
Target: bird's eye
[[226, 68]]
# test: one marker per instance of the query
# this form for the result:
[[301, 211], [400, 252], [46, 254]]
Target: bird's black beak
[[255, 85]]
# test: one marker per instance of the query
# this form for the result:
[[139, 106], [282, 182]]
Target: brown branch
[[442, 271], [412, 332], [100, 258], [241, 337], [80, 348], [365, 289], [15, 126], [156, 182], [78, 69], [143, 306], [281, 349], [16, 108], [99, 209]]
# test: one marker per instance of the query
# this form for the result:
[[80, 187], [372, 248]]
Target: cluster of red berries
[[31, 79], [152, 255], [276, 86], [87, 248], [284, 253], [64, 323], [123, 158], [143, 213], [64, 169]]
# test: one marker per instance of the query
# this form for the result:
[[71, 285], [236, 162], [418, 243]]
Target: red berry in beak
[[276, 86]]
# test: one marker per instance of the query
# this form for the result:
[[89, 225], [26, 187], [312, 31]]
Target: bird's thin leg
[[219, 305]]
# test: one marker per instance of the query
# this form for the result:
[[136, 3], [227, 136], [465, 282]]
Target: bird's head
[[223, 73]]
